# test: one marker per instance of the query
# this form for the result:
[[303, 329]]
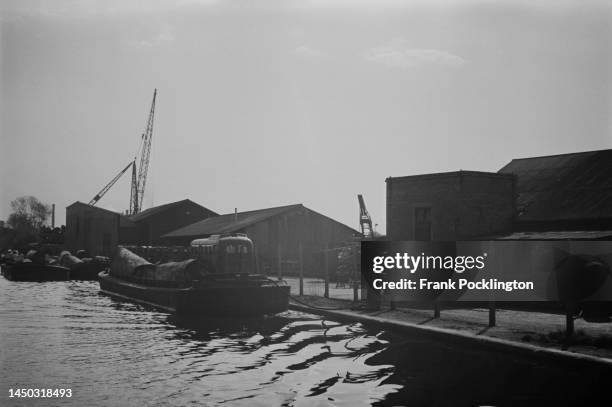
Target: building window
[[422, 223]]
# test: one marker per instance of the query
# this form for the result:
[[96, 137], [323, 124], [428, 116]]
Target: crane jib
[[138, 180]]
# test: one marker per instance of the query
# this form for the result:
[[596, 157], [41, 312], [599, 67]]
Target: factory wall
[[152, 227], [93, 229], [286, 232], [449, 206], [282, 235]]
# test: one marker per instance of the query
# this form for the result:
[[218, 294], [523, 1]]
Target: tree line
[[27, 223]]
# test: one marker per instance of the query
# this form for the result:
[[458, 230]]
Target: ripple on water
[[67, 334]]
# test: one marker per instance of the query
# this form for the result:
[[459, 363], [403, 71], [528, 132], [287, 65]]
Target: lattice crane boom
[[365, 221], [139, 183], [108, 186], [133, 189]]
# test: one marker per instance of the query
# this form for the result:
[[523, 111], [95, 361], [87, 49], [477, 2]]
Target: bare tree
[[28, 217]]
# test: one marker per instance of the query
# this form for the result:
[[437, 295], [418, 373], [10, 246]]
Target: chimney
[[52, 216]]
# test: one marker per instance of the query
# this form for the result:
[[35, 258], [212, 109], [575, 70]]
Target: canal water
[[66, 335]]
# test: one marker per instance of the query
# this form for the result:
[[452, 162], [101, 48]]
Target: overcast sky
[[267, 103]]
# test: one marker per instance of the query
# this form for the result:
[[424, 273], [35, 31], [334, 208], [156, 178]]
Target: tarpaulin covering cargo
[[179, 272], [128, 265], [161, 254], [66, 259]]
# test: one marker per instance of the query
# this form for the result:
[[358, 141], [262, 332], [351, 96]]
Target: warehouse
[[449, 206], [565, 196], [152, 223], [98, 230], [278, 233], [93, 229]]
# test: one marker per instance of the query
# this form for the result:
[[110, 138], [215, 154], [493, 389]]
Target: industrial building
[[449, 206], [99, 230], [93, 229], [278, 233], [565, 196], [154, 222]]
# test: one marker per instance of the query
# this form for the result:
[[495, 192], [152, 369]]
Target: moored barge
[[29, 271], [212, 277]]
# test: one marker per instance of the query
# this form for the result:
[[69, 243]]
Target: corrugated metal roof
[[157, 209], [562, 187], [227, 224], [124, 221], [447, 174], [558, 235]]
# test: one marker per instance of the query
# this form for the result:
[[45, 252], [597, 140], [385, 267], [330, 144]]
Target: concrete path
[[531, 329]]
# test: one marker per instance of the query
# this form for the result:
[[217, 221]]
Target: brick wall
[[462, 205], [93, 229]]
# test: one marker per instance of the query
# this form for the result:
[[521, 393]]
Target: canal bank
[[524, 334]]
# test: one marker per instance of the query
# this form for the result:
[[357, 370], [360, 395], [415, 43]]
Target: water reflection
[[65, 334], [300, 358], [119, 353]]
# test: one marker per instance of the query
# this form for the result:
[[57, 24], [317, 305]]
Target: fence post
[[362, 282], [492, 310], [354, 275], [301, 269], [492, 319], [256, 253], [280, 262], [569, 321], [325, 253], [436, 309]]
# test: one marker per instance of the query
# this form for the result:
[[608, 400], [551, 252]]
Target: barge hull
[[35, 272], [228, 300]]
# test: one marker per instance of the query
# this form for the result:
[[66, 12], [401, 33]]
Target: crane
[[133, 188], [139, 183], [365, 221], [108, 186]]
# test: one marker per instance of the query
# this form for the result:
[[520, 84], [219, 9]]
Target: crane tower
[[139, 182]]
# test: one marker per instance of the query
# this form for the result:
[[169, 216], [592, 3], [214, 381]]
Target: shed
[[277, 234], [563, 192], [152, 223], [449, 206], [93, 229]]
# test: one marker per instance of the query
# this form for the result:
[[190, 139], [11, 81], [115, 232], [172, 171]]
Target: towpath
[[526, 329]]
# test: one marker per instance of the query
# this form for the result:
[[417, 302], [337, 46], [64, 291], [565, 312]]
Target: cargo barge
[[86, 268], [223, 296], [213, 277], [29, 271]]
